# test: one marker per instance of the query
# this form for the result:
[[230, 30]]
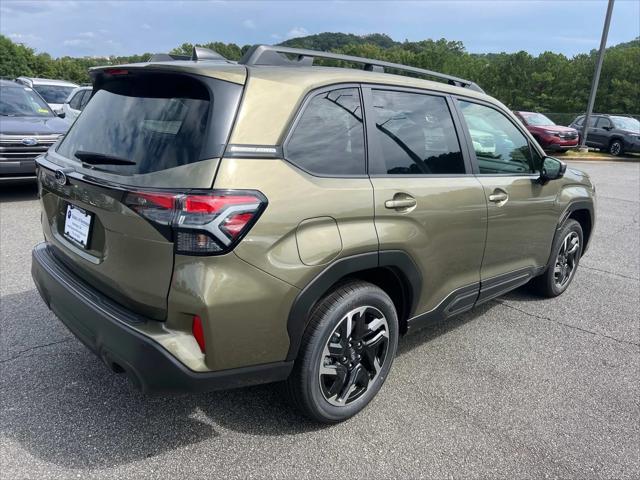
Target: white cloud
[[297, 32], [146, 26], [248, 23], [22, 38], [75, 42], [87, 35]]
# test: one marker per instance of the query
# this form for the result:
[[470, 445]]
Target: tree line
[[549, 82]]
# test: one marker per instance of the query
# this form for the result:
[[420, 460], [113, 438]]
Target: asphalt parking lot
[[520, 387]]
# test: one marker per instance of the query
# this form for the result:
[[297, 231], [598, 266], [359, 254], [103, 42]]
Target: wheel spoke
[[574, 246], [336, 349], [338, 384], [352, 383], [371, 348], [360, 328]]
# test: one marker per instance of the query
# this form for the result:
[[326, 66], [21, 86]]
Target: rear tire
[[565, 257], [615, 147], [346, 352]]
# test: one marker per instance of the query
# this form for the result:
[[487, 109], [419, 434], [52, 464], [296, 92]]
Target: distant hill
[[332, 41]]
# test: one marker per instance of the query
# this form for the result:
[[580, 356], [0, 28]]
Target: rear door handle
[[400, 202], [498, 196]]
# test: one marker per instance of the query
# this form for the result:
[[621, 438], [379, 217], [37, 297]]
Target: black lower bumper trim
[[91, 318]]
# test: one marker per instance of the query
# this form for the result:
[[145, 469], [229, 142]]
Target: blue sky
[[80, 28]]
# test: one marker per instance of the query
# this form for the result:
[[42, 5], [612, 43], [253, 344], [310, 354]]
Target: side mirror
[[552, 169], [62, 114]]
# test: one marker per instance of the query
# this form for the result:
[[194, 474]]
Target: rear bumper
[[107, 330]]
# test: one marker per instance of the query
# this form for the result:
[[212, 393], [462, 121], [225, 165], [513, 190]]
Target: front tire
[[346, 352], [615, 147], [565, 257]]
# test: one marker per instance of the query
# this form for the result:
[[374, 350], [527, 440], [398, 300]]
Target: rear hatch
[[146, 138]]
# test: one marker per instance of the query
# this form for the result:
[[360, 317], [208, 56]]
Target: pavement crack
[[30, 349], [568, 325], [610, 273]]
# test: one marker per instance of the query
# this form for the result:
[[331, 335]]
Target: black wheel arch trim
[[572, 207], [398, 260]]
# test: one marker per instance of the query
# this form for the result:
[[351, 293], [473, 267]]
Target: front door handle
[[400, 202], [498, 196]]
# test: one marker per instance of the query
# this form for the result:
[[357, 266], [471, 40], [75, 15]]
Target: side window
[[416, 134], [603, 122], [592, 121], [75, 101], [500, 147], [85, 99], [329, 136]]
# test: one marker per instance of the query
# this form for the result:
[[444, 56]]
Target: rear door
[[599, 134], [592, 136], [427, 202], [521, 214], [141, 131]]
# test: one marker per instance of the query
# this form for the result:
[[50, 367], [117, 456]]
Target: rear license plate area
[[77, 225]]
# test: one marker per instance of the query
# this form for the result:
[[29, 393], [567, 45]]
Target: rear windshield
[[143, 123], [53, 93]]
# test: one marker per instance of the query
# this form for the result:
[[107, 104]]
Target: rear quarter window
[[328, 138]]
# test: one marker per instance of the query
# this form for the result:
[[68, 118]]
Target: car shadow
[[18, 191], [65, 407]]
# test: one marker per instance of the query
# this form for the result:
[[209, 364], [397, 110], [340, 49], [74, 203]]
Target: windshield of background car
[[536, 119], [20, 101], [157, 121], [626, 123], [53, 93]]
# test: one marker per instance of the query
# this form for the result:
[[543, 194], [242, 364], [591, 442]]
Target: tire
[[562, 265], [615, 147], [372, 314]]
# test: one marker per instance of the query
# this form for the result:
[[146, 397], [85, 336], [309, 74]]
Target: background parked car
[[28, 128], [549, 135], [54, 92], [75, 102], [614, 133]]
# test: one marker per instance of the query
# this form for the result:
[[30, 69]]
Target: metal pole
[[596, 75]]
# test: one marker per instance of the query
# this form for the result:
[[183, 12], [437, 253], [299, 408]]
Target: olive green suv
[[211, 224]]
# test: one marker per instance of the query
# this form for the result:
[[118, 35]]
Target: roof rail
[[274, 55], [198, 53]]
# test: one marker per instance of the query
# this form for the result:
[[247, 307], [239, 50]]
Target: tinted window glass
[[416, 134], [75, 101], [603, 122], [329, 137], [156, 121], [85, 98], [20, 101], [500, 147]]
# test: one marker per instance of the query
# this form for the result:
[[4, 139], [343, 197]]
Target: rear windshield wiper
[[94, 158]]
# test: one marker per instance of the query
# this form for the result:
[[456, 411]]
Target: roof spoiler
[[197, 54], [286, 56]]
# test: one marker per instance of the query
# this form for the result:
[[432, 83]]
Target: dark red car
[[549, 135]]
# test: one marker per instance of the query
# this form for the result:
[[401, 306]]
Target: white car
[[54, 92], [75, 102]]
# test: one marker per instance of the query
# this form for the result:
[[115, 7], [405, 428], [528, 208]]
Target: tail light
[[200, 223]]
